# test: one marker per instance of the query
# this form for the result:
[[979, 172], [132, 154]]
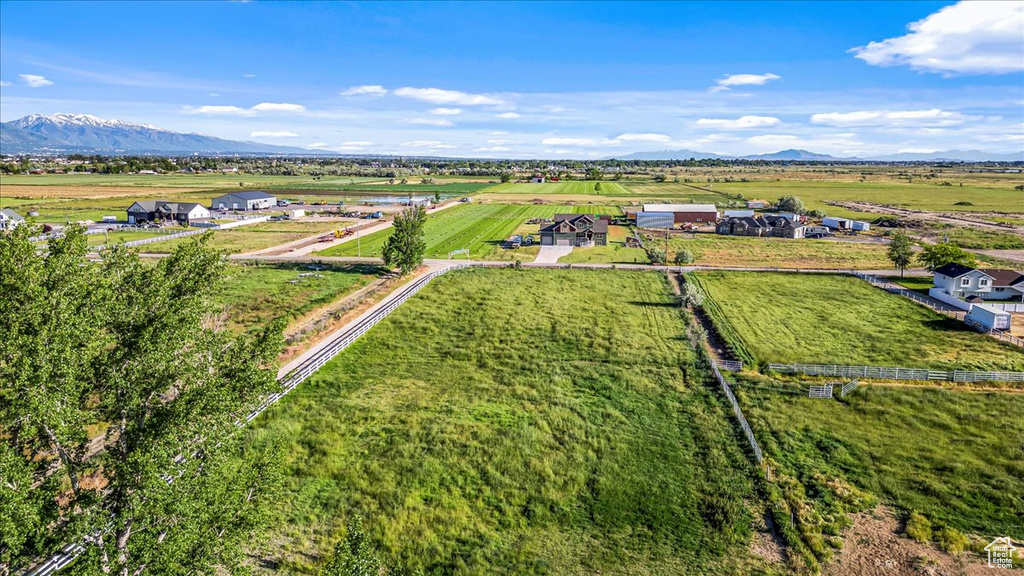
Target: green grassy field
[[118, 236], [384, 189], [517, 422], [255, 294], [479, 227], [920, 195], [823, 319], [955, 456], [716, 250], [572, 188], [255, 236]]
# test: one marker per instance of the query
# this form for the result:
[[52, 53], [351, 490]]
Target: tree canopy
[[405, 247], [790, 204], [901, 250], [119, 394], [938, 255]]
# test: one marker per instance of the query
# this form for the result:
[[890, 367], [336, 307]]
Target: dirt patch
[[873, 546]]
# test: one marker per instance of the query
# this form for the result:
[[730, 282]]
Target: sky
[[532, 79]]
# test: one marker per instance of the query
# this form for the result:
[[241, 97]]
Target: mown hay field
[[517, 422], [481, 228]]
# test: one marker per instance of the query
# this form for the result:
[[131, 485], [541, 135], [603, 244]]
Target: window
[[965, 282], [983, 282]]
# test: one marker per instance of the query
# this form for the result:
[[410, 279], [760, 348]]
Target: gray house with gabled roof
[[247, 200]]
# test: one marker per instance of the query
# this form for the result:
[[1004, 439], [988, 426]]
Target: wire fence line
[[897, 373], [67, 554]]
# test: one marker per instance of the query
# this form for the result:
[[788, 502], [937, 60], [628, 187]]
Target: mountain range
[[793, 155], [67, 133]]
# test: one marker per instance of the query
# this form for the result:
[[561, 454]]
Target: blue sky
[[532, 79]]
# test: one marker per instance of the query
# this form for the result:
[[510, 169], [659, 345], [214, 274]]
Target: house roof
[[165, 206], [251, 195], [1004, 277], [12, 214], [953, 270], [680, 208], [598, 225]]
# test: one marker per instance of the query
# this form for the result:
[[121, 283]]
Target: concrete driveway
[[551, 254]]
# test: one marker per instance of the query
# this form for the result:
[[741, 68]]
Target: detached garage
[[249, 200]]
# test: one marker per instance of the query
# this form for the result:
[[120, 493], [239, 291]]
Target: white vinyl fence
[[824, 391], [894, 373], [758, 455], [68, 553]]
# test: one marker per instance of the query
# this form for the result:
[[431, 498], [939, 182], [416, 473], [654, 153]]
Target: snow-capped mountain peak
[[64, 120]]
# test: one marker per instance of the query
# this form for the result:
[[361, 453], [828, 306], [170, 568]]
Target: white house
[[9, 219], [986, 283], [248, 200], [537, 179]]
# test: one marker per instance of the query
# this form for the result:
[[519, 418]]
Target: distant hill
[[807, 156], [671, 155], [952, 156], [84, 133]]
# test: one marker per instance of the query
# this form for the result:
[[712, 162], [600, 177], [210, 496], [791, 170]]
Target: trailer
[[860, 226], [989, 318], [837, 223]]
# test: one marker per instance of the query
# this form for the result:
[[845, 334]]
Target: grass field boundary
[[897, 373]]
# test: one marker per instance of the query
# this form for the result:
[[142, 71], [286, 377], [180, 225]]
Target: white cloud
[[492, 149], [432, 121], [446, 111], [744, 80], [502, 141], [974, 37], [35, 81], [507, 115], [930, 117], [375, 90], [317, 145], [273, 134], [278, 107], [248, 75], [439, 96], [220, 111], [358, 143], [214, 95], [916, 151], [238, 111], [643, 137], [741, 123], [580, 142], [4, 83], [432, 144]]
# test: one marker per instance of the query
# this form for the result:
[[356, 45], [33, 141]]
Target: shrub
[[683, 257], [951, 540], [918, 528]]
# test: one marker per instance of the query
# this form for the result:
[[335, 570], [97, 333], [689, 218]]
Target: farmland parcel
[[511, 422], [825, 319]]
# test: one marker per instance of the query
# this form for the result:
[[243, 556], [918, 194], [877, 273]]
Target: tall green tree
[[938, 255], [901, 250], [594, 173], [119, 397], [405, 246], [790, 204]]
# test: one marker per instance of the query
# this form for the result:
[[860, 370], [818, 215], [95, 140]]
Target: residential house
[[575, 230], [687, 213], [768, 226], [986, 283], [247, 200], [163, 210], [537, 179], [9, 219]]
